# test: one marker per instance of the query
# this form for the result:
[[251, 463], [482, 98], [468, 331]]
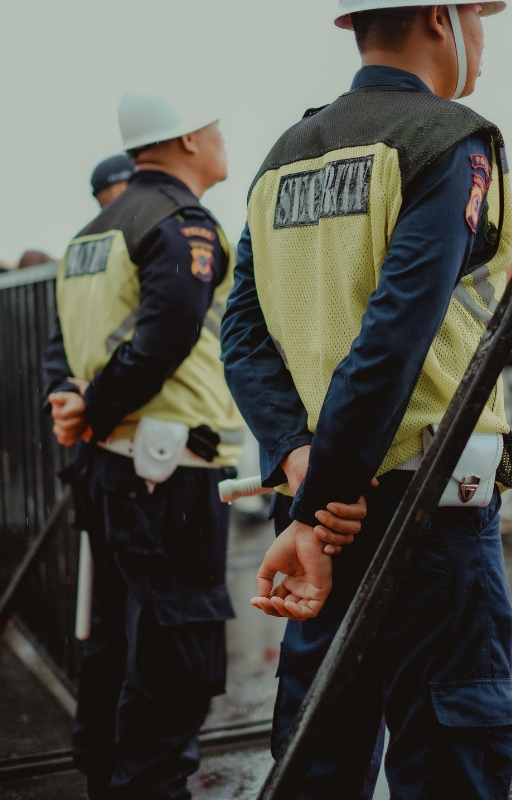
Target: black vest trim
[[421, 127], [139, 208]]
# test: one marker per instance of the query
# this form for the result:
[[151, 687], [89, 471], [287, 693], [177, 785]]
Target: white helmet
[[349, 7], [146, 118]]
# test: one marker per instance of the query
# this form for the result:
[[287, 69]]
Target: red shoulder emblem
[[202, 260], [482, 174]]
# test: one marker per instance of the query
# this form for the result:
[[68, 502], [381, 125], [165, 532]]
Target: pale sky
[[64, 64]]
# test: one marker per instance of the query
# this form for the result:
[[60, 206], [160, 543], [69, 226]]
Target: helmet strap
[[460, 48]]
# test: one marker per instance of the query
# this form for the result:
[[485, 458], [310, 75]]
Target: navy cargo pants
[[156, 654], [439, 668]]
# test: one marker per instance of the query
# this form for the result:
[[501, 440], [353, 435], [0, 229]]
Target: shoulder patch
[[482, 174], [340, 189], [202, 260], [204, 233]]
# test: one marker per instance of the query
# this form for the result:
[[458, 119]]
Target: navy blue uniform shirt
[[173, 305], [432, 247]]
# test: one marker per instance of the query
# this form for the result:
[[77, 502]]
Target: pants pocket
[[185, 658], [484, 702], [132, 518], [427, 584]]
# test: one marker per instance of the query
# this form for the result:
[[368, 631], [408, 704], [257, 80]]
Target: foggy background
[[64, 65]]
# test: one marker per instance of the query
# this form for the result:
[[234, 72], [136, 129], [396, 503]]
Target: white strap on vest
[[460, 47]]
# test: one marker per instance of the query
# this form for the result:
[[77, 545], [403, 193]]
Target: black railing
[[31, 494]]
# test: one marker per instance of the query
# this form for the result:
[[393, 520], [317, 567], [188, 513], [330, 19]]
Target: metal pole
[[31, 559], [332, 684]]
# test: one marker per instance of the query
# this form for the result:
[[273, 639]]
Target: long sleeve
[[55, 366], [175, 296], [256, 374]]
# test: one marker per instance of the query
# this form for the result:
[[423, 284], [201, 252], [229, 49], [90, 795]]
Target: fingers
[[265, 605], [281, 602], [68, 432], [341, 522], [279, 591], [293, 608], [282, 608], [304, 609], [80, 384], [337, 524], [66, 411], [265, 578], [57, 399], [64, 437], [332, 550], [64, 403], [75, 425], [280, 598], [332, 537], [352, 511], [340, 532]]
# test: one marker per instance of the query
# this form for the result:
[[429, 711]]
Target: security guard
[[134, 368], [379, 234], [110, 178]]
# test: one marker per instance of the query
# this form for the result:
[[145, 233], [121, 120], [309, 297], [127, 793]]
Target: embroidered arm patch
[[204, 233], [482, 174], [201, 242]]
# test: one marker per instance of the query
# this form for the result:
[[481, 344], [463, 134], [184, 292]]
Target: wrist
[[305, 533], [295, 466], [295, 456]]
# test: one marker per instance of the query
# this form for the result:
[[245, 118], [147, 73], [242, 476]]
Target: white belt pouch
[[472, 482], [158, 448]]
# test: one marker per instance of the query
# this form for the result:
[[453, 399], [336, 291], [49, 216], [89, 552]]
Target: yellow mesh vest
[[98, 311], [321, 228]]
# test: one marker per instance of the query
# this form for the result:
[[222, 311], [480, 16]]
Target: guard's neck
[[385, 58], [176, 170]]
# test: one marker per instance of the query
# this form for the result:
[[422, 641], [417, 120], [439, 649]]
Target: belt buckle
[[468, 486]]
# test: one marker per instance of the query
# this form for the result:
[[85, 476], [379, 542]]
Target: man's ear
[[344, 22], [438, 21], [189, 143]]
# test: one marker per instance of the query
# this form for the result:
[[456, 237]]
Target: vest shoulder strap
[[139, 208], [421, 126]]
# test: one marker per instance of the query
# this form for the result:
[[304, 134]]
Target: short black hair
[[110, 171], [385, 28]]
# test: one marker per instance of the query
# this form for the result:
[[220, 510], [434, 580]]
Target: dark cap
[[113, 170]]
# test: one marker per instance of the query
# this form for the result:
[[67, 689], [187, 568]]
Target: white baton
[[84, 589], [245, 487]]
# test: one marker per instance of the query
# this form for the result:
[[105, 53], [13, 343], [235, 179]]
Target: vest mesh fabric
[[420, 126], [98, 305], [315, 270], [504, 471]]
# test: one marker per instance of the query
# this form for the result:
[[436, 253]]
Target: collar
[[388, 76], [152, 177]]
